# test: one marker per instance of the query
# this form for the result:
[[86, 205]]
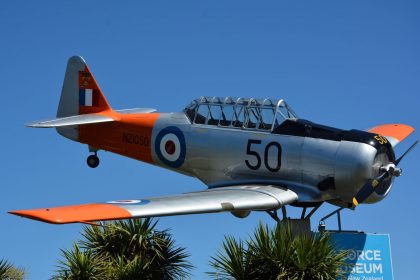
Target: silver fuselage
[[317, 169]]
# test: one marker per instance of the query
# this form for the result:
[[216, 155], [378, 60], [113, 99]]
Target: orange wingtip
[[397, 131], [76, 213]]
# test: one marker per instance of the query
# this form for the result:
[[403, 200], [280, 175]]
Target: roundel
[[129, 201], [170, 146]]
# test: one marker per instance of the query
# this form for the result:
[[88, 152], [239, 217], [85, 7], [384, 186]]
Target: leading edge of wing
[[75, 213], [233, 198]]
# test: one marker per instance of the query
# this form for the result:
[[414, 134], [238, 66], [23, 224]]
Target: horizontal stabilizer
[[395, 133], [136, 111], [224, 199], [73, 120]]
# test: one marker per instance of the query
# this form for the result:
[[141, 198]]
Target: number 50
[[266, 151]]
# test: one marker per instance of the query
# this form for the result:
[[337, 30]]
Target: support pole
[[303, 213], [339, 220], [283, 210], [337, 211], [313, 211], [273, 214]]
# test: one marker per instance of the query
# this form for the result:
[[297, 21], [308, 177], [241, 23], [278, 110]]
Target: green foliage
[[10, 272], [127, 249], [81, 265], [316, 258], [120, 238], [4, 267], [123, 269], [278, 254], [232, 262]]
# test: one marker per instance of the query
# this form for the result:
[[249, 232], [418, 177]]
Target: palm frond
[[278, 253], [80, 264], [171, 259], [10, 272], [231, 261], [133, 247], [123, 269], [4, 267]]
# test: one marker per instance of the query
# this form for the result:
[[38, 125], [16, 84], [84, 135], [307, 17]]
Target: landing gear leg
[[92, 160]]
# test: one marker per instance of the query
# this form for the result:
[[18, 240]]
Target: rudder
[[80, 93]]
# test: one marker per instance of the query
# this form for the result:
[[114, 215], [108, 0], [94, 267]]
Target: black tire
[[92, 161]]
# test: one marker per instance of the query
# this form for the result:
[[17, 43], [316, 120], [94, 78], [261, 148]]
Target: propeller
[[406, 152], [388, 170]]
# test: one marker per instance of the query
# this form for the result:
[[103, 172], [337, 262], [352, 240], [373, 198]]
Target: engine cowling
[[358, 162]]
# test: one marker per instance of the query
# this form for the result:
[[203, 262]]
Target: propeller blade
[[406, 152], [368, 189]]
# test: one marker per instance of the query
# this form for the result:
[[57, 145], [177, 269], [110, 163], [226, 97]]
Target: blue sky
[[349, 64]]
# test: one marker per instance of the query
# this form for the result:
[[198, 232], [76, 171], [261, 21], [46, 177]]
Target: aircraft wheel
[[92, 161]]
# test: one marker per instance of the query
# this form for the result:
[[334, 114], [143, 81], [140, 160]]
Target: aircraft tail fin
[[80, 93]]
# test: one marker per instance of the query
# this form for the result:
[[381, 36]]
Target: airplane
[[252, 154]]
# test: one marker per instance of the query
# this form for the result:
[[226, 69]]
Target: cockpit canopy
[[246, 113]]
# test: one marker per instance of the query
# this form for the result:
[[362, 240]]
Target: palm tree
[[278, 254], [233, 261], [126, 249], [10, 272], [80, 265]]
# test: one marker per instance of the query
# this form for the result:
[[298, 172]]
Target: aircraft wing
[[232, 198], [395, 133]]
